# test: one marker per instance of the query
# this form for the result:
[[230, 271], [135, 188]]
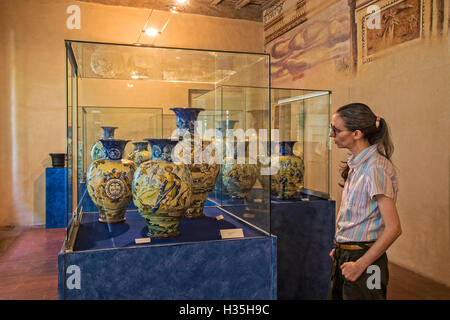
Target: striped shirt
[[359, 218]]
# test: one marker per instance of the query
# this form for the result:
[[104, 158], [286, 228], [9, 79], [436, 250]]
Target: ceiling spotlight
[[175, 8], [182, 2], [152, 32]]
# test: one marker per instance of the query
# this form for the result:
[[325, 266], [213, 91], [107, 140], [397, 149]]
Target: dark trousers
[[372, 283]]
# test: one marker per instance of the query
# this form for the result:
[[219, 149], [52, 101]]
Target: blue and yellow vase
[[288, 181], [162, 190], [109, 182], [97, 151], [140, 154], [204, 175], [239, 175]]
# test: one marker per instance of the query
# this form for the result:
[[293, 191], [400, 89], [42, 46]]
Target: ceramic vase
[[238, 178], [204, 175], [97, 151], [288, 181], [162, 190], [260, 120], [223, 126], [186, 118], [109, 181], [140, 153]]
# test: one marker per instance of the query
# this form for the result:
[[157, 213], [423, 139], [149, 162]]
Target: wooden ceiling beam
[[226, 9], [242, 3], [215, 2]]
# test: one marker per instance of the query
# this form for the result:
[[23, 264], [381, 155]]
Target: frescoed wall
[[396, 60], [322, 39]]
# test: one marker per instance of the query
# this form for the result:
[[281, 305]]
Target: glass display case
[[299, 121], [173, 101], [296, 185], [302, 118]]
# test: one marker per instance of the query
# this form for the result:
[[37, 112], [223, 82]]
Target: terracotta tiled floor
[[28, 269]]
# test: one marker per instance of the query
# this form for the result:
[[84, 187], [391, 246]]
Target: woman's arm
[[392, 230]]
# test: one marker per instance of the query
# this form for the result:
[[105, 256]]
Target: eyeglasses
[[335, 130]]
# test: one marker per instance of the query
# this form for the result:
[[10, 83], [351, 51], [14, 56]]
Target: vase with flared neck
[[109, 181], [97, 150], [288, 181], [186, 118], [239, 174], [204, 175], [162, 190]]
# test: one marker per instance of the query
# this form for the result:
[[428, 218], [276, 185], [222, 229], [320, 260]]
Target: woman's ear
[[357, 134]]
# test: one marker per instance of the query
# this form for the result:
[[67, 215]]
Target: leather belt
[[360, 246]]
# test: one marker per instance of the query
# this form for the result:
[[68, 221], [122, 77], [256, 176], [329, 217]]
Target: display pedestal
[[106, 263], [55, 198], [305, 232]]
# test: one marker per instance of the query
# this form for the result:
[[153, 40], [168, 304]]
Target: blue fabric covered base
[[94, 235], [195, 265], [55, 198], [305, 232]]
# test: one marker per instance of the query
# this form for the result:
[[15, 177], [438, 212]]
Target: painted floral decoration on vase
[[140, 153], [109, 182], [288, 181], [97, 151], [204, 175], [162, 190]]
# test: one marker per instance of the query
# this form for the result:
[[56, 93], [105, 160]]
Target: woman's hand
[[352, 270]]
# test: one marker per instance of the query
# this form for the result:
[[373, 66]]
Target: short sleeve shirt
[[359, 218]]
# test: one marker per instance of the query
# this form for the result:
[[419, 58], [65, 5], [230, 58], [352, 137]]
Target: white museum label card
[[231, 233], [219, 217], [142, 240]]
